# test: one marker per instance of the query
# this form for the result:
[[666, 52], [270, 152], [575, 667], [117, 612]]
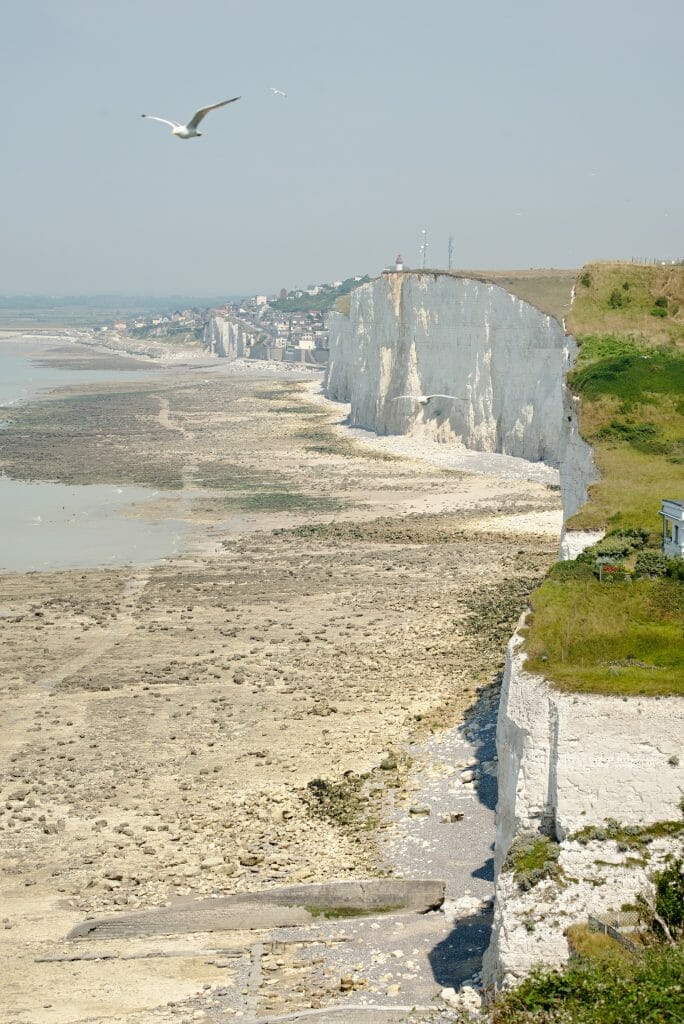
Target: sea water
[[45, 526], [21, 378]]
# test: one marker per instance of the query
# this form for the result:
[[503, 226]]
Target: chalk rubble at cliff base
[[567, 761]]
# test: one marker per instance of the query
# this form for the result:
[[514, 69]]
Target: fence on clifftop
[[660, 261], [611, 925]]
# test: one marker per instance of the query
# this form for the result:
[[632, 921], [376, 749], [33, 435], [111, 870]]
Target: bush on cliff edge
[[589, 992]]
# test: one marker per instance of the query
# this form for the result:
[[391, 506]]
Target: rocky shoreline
[[166, 724]]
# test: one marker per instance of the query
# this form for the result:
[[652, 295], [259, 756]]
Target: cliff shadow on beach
[[457, 958]]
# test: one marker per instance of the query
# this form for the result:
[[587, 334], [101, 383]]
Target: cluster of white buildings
[[291, 331], [161, 324], [282, 326]]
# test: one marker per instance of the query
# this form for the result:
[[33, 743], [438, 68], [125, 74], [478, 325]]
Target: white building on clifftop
[[673, 528]]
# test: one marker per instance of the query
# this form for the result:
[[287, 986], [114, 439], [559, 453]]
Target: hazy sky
[[537, 132]]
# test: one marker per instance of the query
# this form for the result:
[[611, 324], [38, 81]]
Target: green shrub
[[532, 857], [629, 374], [669, 898], [652, 564], [605, 346], [644, 437], [577, 568], [585, 279], [600, 992], [616, 299], [632, 836], [659, 311], [675, 568], [661, 302], [613, 546], [637, 538]]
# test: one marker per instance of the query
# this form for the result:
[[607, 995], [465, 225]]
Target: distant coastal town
[[291, 326]]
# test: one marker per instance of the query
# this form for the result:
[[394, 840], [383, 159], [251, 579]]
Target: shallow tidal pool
[[49, 526]]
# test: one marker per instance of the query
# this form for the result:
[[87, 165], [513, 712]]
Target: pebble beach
[[338, 612]]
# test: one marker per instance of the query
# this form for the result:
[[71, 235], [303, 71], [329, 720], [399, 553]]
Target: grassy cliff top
[[629, 324], [622, 637], [550, 290], [622, 298]]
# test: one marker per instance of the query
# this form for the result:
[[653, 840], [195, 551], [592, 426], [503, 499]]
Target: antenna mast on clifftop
[[451, 252], [424, 248]]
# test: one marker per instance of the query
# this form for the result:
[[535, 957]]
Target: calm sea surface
[[57, 526], [21, 378]]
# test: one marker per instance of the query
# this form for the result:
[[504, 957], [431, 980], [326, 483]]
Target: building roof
[[672, 508]]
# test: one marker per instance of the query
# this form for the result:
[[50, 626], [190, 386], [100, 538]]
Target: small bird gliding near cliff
[[424, 399], [189, 130]]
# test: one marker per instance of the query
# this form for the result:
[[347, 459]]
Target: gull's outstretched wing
[[198, 116], [454, 398], [172, 124], [414, 398]]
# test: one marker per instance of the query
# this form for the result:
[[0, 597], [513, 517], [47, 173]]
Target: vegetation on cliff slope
[[623, 637], [601, 991], [629, 323], [621, 298], [606, 983], [623, 634], [323, 302]]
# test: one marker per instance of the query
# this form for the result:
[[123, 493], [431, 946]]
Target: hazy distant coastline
[[25, 312]]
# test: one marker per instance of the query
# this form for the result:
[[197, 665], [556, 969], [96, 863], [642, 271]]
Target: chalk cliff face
[[502, 359], [225, 337], [568, 760]]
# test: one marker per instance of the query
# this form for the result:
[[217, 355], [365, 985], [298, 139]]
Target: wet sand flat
[[163, 725]]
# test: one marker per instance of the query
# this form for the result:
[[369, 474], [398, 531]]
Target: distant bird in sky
[[277, 92], [424, 399], [189, 130]]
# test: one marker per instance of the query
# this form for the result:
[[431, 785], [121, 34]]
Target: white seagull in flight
[[277, 92], [424, 399], [189, 130]]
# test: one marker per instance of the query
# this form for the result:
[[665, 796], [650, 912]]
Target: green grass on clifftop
[[596, 637], [550, 290], [633, 415], [621, 637], [629, 323], [644, 302]]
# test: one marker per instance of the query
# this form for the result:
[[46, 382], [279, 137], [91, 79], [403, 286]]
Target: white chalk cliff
[[503, 360], [565, 760], [568, 760], [226, 337]]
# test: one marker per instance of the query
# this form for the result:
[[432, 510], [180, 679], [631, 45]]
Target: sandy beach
[[342, 597]]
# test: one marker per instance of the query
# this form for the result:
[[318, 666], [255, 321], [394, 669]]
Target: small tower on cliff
[[399, 262]]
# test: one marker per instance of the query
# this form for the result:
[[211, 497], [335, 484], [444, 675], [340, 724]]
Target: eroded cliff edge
[[567, 762], [503, 361]]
